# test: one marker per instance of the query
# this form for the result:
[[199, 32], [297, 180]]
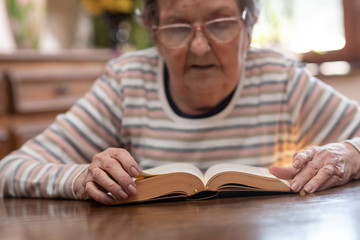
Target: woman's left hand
[[318, 168]]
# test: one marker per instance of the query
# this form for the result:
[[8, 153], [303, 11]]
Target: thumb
[[283, 172]]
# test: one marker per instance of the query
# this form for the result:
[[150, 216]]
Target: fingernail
[[132, 189], [123, 194], [295, 187], [134, 172], [309, 188], [109, 200], [296, 164]]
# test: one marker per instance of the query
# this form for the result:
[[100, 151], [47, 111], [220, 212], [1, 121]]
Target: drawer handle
[[63, 89]]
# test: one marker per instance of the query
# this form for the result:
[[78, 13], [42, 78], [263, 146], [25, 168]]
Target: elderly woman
[[200, 96]]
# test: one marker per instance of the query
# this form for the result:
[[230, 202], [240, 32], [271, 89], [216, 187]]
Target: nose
[[199, 44]]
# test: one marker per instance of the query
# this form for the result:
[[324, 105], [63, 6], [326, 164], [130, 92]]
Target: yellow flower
[[92, 6], [97, 7]]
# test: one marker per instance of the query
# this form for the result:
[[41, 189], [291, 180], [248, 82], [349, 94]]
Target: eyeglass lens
[[220, 31]]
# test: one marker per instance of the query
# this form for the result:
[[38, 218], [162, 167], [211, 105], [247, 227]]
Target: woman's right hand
[[110, 171]]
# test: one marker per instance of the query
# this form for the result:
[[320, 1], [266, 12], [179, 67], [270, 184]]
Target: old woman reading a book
[[200, 96]]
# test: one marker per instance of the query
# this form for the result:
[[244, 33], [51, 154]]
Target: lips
[[202, 67]]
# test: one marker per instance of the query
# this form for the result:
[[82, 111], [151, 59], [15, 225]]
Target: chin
[[207, 89], [206, 83]]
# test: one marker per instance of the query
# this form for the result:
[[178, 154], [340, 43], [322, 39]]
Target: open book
[[185, 180]]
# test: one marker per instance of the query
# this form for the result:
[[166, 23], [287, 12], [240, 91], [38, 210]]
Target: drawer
[[50, 89], [5, 144]]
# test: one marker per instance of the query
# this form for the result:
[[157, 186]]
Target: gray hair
[[150, 14]]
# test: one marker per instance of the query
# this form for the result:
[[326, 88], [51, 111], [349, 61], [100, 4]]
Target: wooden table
[[332, 214]]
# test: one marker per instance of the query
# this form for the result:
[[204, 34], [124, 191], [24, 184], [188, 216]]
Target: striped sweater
[[277, 109]]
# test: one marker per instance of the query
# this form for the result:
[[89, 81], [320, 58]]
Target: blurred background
[[51, 51], [51, 25], [312, 31]]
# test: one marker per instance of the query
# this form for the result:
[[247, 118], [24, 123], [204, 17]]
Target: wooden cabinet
[[50, 89], [34, 89], [3, 94], [4, 134], [4, 142]]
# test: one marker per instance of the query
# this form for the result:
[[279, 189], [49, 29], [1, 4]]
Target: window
[[321, 30]]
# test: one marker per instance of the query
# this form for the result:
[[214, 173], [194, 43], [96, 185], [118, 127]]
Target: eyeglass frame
[[156, 29]]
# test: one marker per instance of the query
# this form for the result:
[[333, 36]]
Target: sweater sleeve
[[47, 165], [319, 113]]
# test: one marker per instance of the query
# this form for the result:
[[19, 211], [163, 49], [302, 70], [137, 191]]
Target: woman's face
[[203, 72]]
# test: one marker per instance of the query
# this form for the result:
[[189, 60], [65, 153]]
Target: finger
[[116, 171], [95, 193], [304, 176], [334, 181], [322, 177], [126, 161], [303, 157], [104, 181], [284, 172]]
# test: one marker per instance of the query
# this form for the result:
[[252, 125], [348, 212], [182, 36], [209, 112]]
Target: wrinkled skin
[[318, 168], [110, 171]]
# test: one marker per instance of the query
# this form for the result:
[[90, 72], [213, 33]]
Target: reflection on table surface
[[331, 214]]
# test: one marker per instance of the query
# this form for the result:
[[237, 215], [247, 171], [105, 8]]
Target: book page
[[173, 168], [225, 167]]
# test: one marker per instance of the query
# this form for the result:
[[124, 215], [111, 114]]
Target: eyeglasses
[[221, 30]]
